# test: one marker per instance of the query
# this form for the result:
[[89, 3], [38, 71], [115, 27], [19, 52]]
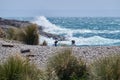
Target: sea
[[86, 31]]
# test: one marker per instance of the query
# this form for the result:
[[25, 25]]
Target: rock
[[30, 55], [54, 36], [7, 23], [25, 51], [14, 23], [7, 45]]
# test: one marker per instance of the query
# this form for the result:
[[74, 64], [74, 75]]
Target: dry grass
[[67, 67], [106, 68], [17, 68], [12, 33], [2, 33], [28, 35]]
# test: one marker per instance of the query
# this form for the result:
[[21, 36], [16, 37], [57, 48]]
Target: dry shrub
[[29, 35], [68, 67], [2, 33], [106, 68], [17, 68]]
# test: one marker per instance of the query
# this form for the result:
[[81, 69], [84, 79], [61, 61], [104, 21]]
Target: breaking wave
[[93, 40]]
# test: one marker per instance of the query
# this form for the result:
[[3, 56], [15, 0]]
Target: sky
[[65, 8]]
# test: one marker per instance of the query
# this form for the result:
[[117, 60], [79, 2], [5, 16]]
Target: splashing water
[[85, 35]]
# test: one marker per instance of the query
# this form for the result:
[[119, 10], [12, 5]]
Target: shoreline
[[8, 23], [40, 54]]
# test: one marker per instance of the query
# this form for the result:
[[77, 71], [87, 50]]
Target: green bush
[[17, 68], [68, 67], [106, 68], [29, 35]]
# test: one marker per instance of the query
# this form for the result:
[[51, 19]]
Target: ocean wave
[[93, 40], [52, 28]]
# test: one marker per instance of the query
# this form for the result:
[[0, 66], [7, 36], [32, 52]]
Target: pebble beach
[[39, 55]]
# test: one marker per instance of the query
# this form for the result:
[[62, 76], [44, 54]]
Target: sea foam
[[68, 33]]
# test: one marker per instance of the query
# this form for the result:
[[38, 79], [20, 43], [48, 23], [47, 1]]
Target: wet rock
[[7, 23], [54, 36]]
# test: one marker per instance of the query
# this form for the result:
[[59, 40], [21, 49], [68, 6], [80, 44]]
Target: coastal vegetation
[[62, 66], [68, 67], [106, 68], [17, 68], [27, 35], [2, 33], [12, 33]]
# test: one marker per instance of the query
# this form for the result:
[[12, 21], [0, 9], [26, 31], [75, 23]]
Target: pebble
[[43, 53]]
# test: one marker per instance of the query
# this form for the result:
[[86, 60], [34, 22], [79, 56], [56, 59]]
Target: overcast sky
[[9, 8]]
